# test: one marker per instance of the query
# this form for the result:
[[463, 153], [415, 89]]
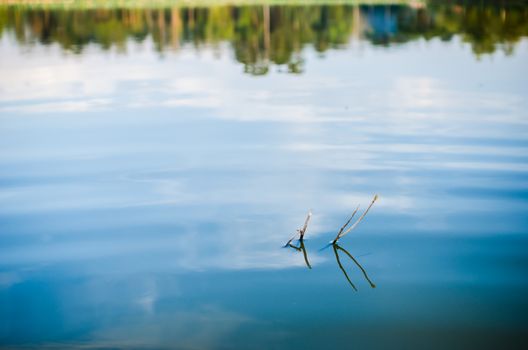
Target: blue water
[[146, 194]]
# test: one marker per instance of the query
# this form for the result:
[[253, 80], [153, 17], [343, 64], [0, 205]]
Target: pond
[[156, 157]]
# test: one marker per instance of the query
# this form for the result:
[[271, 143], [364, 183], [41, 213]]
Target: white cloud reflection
[[229, 146], [61, 106]]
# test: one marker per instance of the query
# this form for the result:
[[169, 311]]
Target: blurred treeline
[[264, 35]]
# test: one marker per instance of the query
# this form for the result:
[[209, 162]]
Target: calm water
[[153, 161]]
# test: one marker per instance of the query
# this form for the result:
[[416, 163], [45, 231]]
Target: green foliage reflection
[[263, 36]]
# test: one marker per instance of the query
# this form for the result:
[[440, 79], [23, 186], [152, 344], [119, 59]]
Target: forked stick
[[341, 233], [301, 231], [346, 223]]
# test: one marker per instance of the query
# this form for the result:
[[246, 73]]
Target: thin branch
[[346, 223], [358, 220], [303, 230], [291, 239]]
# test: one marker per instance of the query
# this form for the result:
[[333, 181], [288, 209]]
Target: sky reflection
[[309, 122], [148, 182]]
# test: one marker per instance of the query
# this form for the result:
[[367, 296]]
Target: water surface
[[154, 160]]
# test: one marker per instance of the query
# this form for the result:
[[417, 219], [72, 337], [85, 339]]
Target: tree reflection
[[263, 36]]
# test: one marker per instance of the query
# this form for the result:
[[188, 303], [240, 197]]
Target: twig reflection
[[301, 248], [336, 249]]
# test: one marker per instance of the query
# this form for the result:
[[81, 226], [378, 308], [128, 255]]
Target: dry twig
[[301, 231], [341, 233]]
